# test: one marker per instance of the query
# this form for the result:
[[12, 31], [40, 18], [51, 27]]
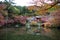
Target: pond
[[20, 34], [52, 32]]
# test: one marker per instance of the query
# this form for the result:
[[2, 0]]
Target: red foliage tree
[[56, 16], [20, 19]]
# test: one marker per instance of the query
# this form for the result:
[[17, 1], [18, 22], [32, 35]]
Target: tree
[[56, 18], [41, 3], [43, 6]]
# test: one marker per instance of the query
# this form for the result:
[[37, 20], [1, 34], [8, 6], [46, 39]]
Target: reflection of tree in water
[[53, 33], [33, 29]]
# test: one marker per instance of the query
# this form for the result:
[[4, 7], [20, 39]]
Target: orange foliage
[[41, 12], [38, 10], [31, 7]]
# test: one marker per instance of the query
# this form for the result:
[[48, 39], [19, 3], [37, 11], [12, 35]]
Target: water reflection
[[53, 33]]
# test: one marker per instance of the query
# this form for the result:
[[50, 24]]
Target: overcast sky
[[22, 2]]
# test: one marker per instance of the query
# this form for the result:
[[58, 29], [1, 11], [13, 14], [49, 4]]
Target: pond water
[[53, 33]]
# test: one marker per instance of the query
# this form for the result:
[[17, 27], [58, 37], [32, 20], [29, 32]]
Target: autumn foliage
[[56, 16]]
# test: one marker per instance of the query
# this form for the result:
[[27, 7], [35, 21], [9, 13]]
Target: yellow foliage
[[31, 7], [45, 7], [42, 10], [33, 23]]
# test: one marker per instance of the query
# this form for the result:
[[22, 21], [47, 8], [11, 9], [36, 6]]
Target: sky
[[26, 2], [1, 0], [22, 2]]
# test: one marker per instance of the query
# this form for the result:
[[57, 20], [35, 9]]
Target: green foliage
[[15, 10], [52, 9], [56, 7], [24, 10]]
